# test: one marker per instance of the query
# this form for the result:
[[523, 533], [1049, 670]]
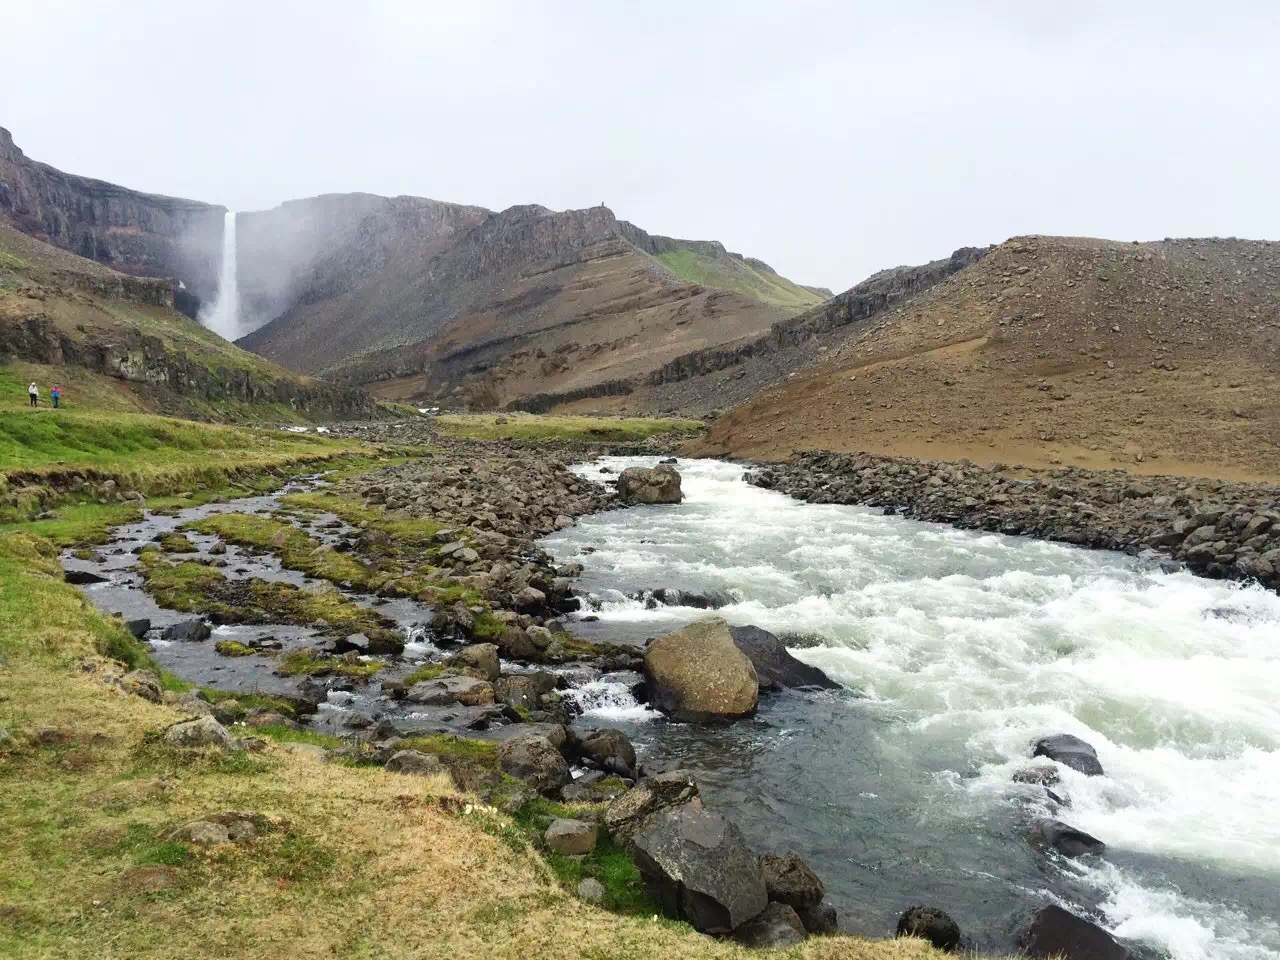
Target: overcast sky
[[830, 139]]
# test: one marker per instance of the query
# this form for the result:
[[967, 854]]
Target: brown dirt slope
[[117, 339], [461, 306], [1156, 357]]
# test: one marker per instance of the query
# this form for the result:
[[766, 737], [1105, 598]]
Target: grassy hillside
[[733, 273]]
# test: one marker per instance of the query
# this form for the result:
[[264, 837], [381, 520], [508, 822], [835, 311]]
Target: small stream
[[956, 650]]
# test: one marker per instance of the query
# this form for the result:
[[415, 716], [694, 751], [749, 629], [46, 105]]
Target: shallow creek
[[957, 650]]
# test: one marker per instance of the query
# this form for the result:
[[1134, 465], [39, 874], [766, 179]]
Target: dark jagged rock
[[608, 749], [631, 811], [699, 869], [82, 578], [929, 923], [187, 630], [1070, 751], [1052, 932], [138, 628], [775, 667], [792, 881], [819, 919], [777, 925], [1067, 840]]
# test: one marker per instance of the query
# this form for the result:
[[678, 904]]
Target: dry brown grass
[[363, 863]]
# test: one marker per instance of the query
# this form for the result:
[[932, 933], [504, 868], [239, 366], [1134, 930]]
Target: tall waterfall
[[223, 318]]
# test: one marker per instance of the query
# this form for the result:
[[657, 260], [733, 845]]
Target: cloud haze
[[830, 139]]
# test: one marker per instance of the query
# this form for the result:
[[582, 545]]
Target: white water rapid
[[960, 649], [223, 318]]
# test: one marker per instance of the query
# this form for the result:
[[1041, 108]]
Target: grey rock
[[200, 732], [591, 890], [775, 667], [482, 657], [1070, 751], [571, 838], [628, 814], [1067, 840], [777, 925], [415, 761], [661, 484], [188, 630], [534, 760], [1052, 932], [929, 923], [791, 881]]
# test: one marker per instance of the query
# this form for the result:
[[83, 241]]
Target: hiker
[[55, 395], [33, 394]]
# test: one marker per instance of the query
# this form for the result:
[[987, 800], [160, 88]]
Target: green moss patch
[[312, 663]]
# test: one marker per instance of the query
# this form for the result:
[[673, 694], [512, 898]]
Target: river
[[956, 650]]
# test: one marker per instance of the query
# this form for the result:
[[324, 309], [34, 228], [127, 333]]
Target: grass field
[[524, 426], [740, 277]]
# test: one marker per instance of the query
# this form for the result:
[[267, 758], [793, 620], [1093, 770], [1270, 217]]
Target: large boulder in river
[[1066, 839], [1070, 752], [698, 867], [643, 485], [775, 667], [1054, 932], [698, 674]]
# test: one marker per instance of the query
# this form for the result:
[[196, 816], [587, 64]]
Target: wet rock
[[517, 691], [1067, 840], [534, 760], [1069, 751], [364, 645], [416, 762], [516, 645], [82, 578], [791, 881], [775, 667], [626, 815], [609, 750], [672, 597], [465, 690], [819, 919], [144, 684], [1038, 776], [591, 890], [138, 628], [554, 732], [929, 923], [192, 631], [698, 674], [571, 838], [777, 925], [661, 484], [699, 868], [529, 599], [1052, 932], [200, 732], [480, 656]]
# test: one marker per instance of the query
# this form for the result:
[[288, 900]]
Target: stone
[[529, 599], [82, 578], [187, 630], [555, 733], [1052, 932], [480, 656], [1067, 840], [364, 645], [626, 815], [791, 881], [571, 838], [698, 674], [698, 867], [820, 919], [1070, 751], [516, 645], [661, 484], [517, 691], [534, 760], [465, 690], [144, 684], [312, 750], [219, 828], [200, 732], [777, 925], [591, 890], [775, 667], [415, 761], [540, 637], [929, 923], [609, 750], [138, 628]]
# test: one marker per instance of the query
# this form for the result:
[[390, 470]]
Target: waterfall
[[223, 318]]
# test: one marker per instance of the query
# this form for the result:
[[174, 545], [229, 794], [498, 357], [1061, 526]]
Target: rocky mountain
[[118, 343], [131, 232], [1157, 357], [528, 306]]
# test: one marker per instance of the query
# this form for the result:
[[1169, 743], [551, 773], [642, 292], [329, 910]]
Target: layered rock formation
[[131, 232]]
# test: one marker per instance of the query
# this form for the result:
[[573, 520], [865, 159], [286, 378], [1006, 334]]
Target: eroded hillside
[[1159, 357]]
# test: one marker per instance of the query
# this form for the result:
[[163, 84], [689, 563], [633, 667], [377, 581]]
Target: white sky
[[830, 139]]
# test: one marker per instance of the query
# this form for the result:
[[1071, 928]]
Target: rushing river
[[957, 650]]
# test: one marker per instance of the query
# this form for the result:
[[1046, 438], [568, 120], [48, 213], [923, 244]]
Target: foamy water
[[963, 648]]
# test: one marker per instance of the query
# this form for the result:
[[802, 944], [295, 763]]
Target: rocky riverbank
[[1216, 528]]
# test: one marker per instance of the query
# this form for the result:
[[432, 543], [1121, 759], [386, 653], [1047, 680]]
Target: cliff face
[[135, 233]]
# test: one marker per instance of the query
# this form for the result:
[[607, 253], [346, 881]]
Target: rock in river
[[791, 881], [1070, 752], [774, 666], [643, 485], [698, 674], [1067, 840], [1054, 932], [700, 869], [535, 761]]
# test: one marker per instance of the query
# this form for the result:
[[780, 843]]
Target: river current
[[956, 650]]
